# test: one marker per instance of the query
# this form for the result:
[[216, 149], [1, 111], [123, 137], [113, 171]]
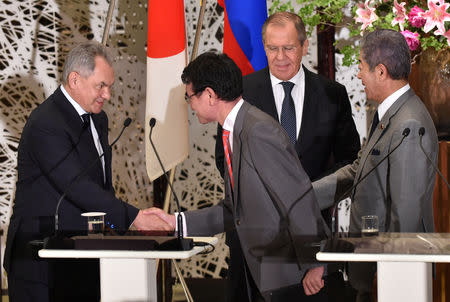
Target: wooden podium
[[127, 275]]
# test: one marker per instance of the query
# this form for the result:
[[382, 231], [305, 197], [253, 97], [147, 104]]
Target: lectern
[[403, 261], [128, 275]]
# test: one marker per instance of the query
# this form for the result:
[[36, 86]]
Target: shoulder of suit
[[257, 76], [322, 80]]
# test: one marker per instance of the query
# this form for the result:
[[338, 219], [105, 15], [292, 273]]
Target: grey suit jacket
[[272, 206], [400, 190]]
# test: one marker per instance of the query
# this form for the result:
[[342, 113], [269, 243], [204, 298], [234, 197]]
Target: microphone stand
[[334, 230], [180, 243]]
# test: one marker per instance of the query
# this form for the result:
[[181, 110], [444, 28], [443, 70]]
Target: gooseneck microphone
[[180, 243], [421, 134], [405, 133], [126, 123]]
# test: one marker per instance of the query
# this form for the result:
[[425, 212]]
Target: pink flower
[[436, 15], [412, 39], [415, 18], [365, 15], [445, 34], [400, 14]]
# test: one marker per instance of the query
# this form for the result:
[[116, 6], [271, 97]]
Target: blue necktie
[[288, 120]]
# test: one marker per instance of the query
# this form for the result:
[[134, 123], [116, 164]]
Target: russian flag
[[166, 59], [242, 39]]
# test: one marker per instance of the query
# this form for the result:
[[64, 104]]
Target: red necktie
[[228, 153]]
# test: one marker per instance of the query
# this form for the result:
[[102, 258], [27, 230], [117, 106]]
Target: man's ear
[[381, 72], [73, 79], [305, 47], [211, 94]]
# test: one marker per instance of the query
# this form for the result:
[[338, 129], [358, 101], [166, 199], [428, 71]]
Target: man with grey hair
[[61, 139], [399, 191]]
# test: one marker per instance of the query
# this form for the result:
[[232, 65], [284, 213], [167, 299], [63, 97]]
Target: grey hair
[[387, 47], [281, 19], [81, 59]]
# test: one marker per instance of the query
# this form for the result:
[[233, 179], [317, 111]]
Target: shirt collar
[[295, 79], [75, 105], [228, 124], [390, 100]]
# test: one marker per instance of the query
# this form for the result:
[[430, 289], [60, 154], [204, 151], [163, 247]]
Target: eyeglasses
[[188, 97], [289, 49]]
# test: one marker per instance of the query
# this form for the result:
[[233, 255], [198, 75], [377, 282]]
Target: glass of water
[[369, 225], [95, 222]]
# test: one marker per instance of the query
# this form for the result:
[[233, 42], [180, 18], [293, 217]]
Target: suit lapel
[[102, 130], [237, 148], [82, 138], [309, 116], [266, 100], [381, 129]]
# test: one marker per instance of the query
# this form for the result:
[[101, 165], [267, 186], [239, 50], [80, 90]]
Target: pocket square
[[375, 152]]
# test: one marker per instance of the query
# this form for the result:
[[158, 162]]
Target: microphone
[[405, 133], [180, 243], [421, 134], [126, 123]]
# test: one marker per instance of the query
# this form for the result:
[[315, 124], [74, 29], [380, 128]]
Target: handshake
[[154, 219]]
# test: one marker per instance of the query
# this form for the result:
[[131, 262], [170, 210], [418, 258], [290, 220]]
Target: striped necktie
[[228, 153]]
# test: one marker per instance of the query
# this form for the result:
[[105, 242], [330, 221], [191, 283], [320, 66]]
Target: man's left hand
[[313, 282]]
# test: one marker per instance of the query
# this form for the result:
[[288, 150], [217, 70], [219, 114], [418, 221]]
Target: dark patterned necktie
[[375, 122], [288, 120], [86, 120]]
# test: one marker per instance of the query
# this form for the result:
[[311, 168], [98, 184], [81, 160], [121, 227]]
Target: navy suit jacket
[[54, 148]]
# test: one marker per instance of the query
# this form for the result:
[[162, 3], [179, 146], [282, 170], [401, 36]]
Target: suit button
[[238, 222]]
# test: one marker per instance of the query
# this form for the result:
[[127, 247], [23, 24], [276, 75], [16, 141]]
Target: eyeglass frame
[[187, 97]]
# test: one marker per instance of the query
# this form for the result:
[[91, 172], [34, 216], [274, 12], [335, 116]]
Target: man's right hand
[[151, 221]]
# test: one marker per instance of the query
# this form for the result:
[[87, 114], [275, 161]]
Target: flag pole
[[198, 32], [108, 21], [199, 29]]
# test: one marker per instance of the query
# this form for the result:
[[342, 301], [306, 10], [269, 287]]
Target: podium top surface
[[390, 247], [71, 253]]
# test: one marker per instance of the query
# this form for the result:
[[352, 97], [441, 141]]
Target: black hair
[[216, 71]]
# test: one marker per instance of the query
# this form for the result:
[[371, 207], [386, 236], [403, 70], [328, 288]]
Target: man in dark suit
[[324, 133], [268, 197], [61, 138], [399, 191]]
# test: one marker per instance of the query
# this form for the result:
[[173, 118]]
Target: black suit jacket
[[54, 148], [328, 138]]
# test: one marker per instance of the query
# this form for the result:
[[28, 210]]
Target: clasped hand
[[154, 219]]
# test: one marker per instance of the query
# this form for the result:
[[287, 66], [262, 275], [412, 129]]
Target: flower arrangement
[[424, 24]]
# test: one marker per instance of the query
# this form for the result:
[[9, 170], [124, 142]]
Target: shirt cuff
[[184, 223]]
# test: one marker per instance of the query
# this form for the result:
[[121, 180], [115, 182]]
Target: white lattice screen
[[35, 35]]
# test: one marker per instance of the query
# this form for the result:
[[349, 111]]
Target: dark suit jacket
[[272, 206], [53, 150], [328, 138]]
